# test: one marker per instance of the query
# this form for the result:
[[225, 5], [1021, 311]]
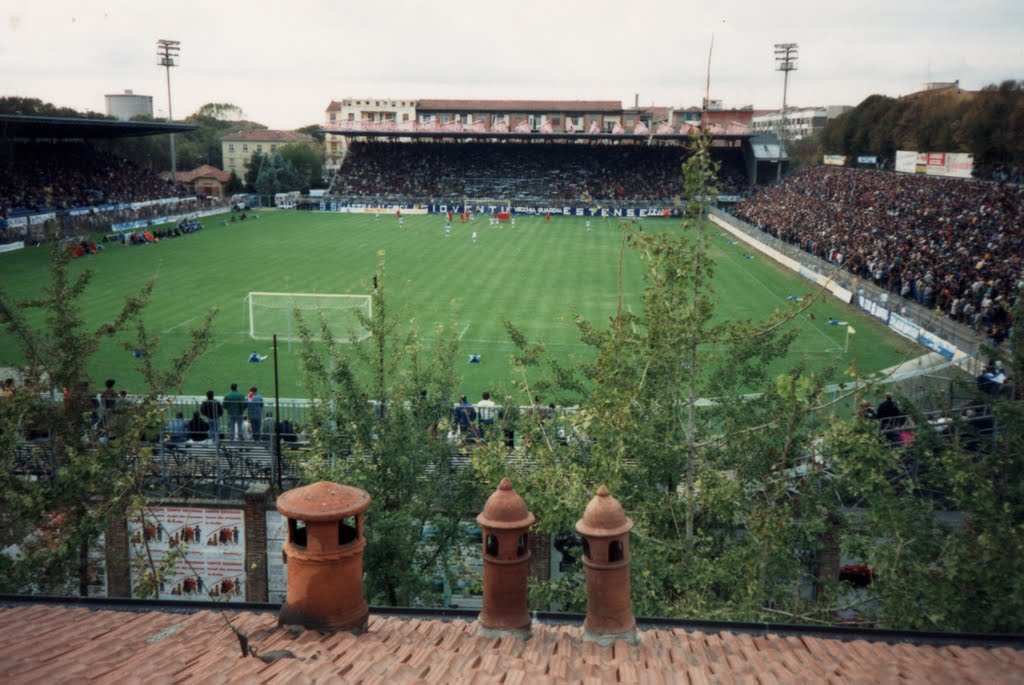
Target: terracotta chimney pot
[[324, 553], [505, 523], [605, 530]]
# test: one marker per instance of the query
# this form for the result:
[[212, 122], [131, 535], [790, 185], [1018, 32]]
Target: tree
[[376, 406], [306, 161], [92, 462], [253, 168], [718, 533], [274, 174]]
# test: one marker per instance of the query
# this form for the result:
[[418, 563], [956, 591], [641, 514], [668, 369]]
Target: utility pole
[[167, 51], [785, 61]]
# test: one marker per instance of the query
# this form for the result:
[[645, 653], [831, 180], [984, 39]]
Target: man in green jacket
[[234, 406]]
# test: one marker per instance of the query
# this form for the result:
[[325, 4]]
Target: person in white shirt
[[486, 412]]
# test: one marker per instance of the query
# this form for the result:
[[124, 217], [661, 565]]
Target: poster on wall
[[213, 566], [277, 570]]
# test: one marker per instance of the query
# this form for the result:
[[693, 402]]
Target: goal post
[[274, 313]]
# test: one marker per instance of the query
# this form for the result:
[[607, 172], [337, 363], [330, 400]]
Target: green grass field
[[533, 274]]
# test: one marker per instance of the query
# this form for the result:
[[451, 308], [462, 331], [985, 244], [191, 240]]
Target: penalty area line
[[464, 331], [183, 323]]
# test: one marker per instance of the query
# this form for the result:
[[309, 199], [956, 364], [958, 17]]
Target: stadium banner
[[214, 563], [360, 208], [835, 160], [874, 309], [17, 222], [37, 219], [905, 327], [156, 221], [948, 164], [937, 344], [906, 161], [11, 247], [960, 165], [495, 208], [867, 159]]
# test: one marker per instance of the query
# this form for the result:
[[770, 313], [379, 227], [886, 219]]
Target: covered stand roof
[[34, 127]]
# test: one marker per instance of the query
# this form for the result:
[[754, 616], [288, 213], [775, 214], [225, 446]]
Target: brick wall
[[119, 581]]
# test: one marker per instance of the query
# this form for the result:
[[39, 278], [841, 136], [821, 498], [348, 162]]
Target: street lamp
[[167, 51], [785, 61]]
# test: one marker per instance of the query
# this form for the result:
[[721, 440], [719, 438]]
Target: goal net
[[274, 313]]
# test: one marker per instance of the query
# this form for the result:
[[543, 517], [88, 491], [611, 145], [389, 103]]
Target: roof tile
[[57, 644]]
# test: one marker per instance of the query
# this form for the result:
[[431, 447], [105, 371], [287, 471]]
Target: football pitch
[[534, 275]]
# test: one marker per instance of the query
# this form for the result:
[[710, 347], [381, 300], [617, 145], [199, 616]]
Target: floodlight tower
[[785, 61], [167, 51]]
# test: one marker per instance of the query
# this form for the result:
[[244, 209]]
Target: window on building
[[231, 147], [405, 116], [334, 115], [259, 148], [444, 119], [273, 147], [245, 147]]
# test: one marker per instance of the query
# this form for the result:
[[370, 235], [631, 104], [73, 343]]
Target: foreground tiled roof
[[521, 105], [56, 644]]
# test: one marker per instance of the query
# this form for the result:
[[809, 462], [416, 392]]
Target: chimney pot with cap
[[605, 530], [324, 553], [505, 523]]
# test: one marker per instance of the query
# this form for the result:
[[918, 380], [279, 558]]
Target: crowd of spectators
[[955, 245], [521, 172], [56, 176]]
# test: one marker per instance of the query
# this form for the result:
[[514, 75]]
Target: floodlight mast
[[785, 61], [167, 51]]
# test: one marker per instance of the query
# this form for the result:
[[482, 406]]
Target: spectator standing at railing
[[234, 407], [465, 418], [254, 409], [486, 410], [212, 410]]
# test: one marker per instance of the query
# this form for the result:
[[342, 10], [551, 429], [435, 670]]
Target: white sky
[[283, 62]]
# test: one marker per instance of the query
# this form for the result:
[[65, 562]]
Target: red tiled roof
[[335, 106], [204, 171], [54, 644], [266, 135], [519, 105]]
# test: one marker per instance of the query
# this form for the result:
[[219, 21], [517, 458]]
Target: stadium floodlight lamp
[[167, 51], [786, 55]]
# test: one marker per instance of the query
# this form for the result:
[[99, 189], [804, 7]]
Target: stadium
[[558, 198], [484, 228]]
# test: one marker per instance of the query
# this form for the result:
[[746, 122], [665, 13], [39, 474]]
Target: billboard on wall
[[950, 164], [835, 160], [213, 566]]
